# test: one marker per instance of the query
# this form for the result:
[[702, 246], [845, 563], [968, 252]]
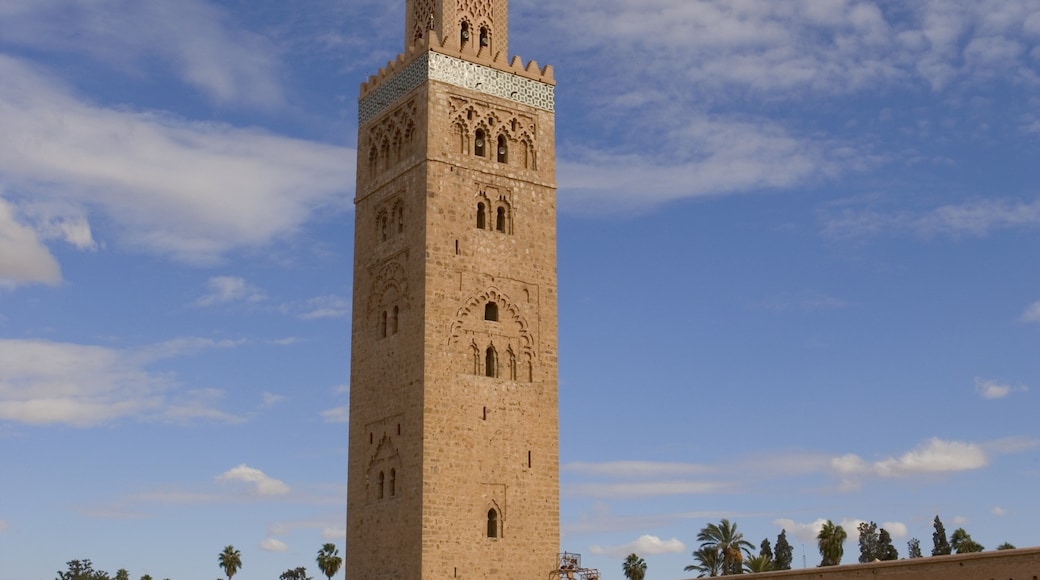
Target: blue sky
[[798, 273]]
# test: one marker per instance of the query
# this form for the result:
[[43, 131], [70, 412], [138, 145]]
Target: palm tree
[[832, 543], [329, 560], [230, 560], [728, 542], [708, 563], [759, 563], [634, 567]]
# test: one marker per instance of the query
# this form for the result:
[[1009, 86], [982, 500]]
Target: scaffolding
[[570, 569]]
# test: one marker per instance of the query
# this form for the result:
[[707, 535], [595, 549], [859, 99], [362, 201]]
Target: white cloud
[[804, 532], [977, 219], [325, 307], [934, 456], [271, 399], [897, 530], [23, 258], [191, 191], [999, 511], [56, 220], [260, 483], [644, 546], [336, 415], [191, 37], [83, 385], [708, 157], [334, 534], [993, 390], [273, 545], [636, 469], [1032, 314], [643, 489], [225, 289]]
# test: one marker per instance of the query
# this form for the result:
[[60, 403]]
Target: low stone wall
[[1021, 564]]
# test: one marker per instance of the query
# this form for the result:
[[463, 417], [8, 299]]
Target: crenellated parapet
[[432, 58]]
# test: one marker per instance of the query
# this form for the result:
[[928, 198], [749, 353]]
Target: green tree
[[784, 553], [634, 567], [940, 545], [764, 549], [708, 563], [1005, 546], [913, 548], [146, 577], [832, 543], [759, 563], [961, 542], [329, 561], [230, 560], [886, 550], [728, 542], [82, 570], [122, 574], [868, 542], [295, 574]]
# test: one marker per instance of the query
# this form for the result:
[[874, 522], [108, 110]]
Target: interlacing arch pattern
[[494, 134], [494, 213], [392, 139], [388, 300], [508, 353], [423, 14]]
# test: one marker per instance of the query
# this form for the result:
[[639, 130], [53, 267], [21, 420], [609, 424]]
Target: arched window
[[382, 481], [479, 144], [500, 220], [393, 482], [492, 523], [464, 34], [400, 219], [481, 217], [491, 362], [383, 227], [503, 149], [397, 312], [382, 325], [491, 311], [485, 36]]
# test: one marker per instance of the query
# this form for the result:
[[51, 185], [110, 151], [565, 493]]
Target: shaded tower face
[[453, 453]]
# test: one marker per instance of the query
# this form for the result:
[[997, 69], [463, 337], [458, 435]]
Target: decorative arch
[[509, 312]]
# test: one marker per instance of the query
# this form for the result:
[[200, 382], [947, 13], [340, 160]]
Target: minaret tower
[[454, 459]]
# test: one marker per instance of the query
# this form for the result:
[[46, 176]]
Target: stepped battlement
[[530, 71]]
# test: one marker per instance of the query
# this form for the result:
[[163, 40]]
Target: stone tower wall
[[453, 402]]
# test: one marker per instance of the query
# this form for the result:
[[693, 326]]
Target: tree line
[[229, 559], [724, 551]]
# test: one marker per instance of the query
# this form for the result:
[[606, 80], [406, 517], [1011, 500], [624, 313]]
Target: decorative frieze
[[459, 73]]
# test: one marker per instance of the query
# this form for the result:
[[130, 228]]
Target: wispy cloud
[[620, 490], [23, 257], [256, 481], [1032, 314], [336, 415], [226, 289], [325, 307], [644, 546], [972, 219], [46, 383], [988, 389], [636, 469], [192, 38], [273, 545], [190, 191]]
